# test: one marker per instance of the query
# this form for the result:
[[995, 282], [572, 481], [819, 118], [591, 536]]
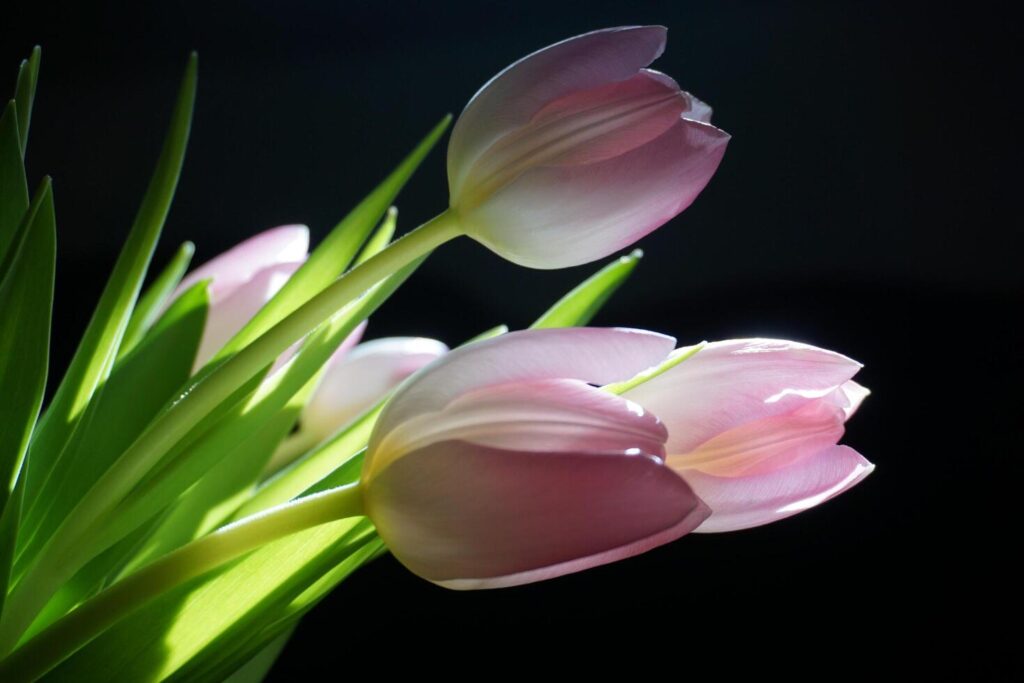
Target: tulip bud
[[578, 150], [356, 379], [242, 280], [499, 464], [753, 426]]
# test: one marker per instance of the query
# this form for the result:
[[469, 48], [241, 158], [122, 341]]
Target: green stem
[[60, 558], [62, 638]]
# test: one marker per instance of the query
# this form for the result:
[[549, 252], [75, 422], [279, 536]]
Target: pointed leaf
[[138, 389], [13, 186], [152, 300], [94, 358], [380, 238], [165, 484], [581, 304], [25, 94], [336, 252], [26, 299]]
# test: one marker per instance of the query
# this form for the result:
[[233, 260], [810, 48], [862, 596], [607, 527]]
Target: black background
[[868, 203]]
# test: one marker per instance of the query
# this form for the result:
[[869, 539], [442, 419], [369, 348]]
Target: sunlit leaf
[[140, 386], [152, 301], [585, 300], [94, 358], [333, 256]]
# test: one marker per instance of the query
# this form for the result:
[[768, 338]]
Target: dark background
[[868, 203]]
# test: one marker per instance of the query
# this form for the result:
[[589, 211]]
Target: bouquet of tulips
[[222, 450]]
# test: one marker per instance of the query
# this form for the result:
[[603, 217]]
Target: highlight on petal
[[470, 516], [530, 416], [516, 94], [560, 216], [238, 265], [730, 383], [744, 502], [357, 378], [595, 355], [853, 394], [232, 311]]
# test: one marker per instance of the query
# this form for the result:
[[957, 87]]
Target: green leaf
[[207, 628], [228, 438], [381, 238], [257, 668], [313, 466], [153, 299], [582, 303], [13, 186], [94, 358], [25, 94], [330, 259], [137, 390], [26, 299]]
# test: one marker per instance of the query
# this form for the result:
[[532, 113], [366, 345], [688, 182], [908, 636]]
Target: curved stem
[[62, 638], [60, 558]]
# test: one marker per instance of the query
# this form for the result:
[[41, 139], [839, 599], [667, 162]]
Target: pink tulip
[[753, 426], [356, 379], [578, 150], [499, 464], [243, 279]]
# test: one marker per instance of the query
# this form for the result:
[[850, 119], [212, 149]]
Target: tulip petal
[[468, 516], [560, 216], [512, 97], [357, 378], [733, 382], [767, 444], [853, 395], [228, 315], [549, 415], [581, 128], [236, 266], [744, 502], [596, 355], [696, 110]]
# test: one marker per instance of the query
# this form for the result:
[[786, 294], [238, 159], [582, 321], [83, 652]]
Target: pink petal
[[512, 97], [548, 415], [767, 444], [234, 267], [580, 128], [470, 516], [853, 395], [356, 379], [230, 313], [744, 502], [695, 110], [733, 382], [596, 355], [560, 216]]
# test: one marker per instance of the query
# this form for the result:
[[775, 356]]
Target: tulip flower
[[753, 426], [500, 464], [357, 378], [578, 150], [242, 280]]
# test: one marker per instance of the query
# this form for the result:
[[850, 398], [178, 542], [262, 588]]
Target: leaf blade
[[26, 298], [580, 305], [93, 360]]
